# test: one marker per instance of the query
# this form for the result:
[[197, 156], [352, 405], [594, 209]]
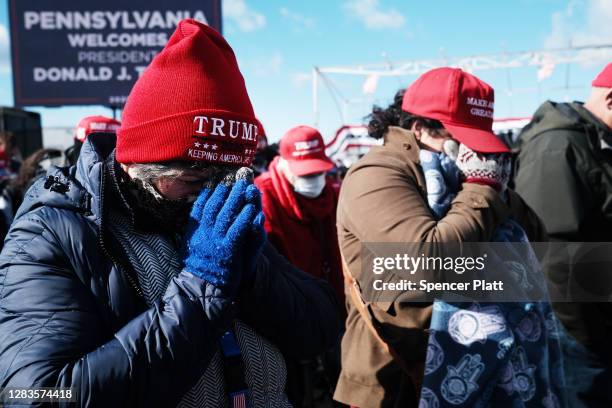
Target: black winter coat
[[564, 173], [69, 316]]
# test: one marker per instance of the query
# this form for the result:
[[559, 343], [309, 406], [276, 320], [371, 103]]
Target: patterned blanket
[[504, 354]]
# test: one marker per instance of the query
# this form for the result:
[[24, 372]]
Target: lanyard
[[233, 369]]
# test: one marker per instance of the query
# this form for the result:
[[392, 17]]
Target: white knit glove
[[492, 169]]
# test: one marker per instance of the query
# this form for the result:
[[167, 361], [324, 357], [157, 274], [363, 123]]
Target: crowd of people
[[177, 259]]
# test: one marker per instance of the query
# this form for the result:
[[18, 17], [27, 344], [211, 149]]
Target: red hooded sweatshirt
[[303, 229]]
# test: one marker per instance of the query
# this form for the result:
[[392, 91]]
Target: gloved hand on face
[[225, 235], [484, 168]]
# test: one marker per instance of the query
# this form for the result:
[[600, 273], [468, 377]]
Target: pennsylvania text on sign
[[66, 52]]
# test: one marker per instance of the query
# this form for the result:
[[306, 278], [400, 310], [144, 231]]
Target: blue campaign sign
[[67, 52]]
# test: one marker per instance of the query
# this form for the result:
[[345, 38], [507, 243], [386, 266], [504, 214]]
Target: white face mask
[[309, 187]]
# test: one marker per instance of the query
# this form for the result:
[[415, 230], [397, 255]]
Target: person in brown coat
[[384, 199]]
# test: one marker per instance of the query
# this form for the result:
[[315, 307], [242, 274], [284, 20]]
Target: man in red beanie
[[86, 126], [300, 209], [564, 172], [120, 290]]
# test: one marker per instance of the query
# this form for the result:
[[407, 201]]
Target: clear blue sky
[[277, 44]]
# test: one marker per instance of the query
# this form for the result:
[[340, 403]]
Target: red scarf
[[302, 229]]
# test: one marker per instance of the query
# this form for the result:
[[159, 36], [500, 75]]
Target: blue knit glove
[[255, 242], [221, 223]]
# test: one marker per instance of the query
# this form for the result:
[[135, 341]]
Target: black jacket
[[69, 316], [564, 173]]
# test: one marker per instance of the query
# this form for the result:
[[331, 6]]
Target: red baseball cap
[[462, 102], [91, 124], [304, 150], [604, 79]]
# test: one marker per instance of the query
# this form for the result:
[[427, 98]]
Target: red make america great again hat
[[190, 103], [604, 78], [303, 148], [91, 124], [463, 103]]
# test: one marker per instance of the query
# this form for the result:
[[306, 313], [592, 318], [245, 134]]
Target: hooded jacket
[[303, 229], [71, 315], [564, 172]]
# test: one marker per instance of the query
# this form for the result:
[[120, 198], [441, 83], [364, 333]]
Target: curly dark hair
[[381, 118]]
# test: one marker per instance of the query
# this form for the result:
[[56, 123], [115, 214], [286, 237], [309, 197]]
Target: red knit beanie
[[189, 104]]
